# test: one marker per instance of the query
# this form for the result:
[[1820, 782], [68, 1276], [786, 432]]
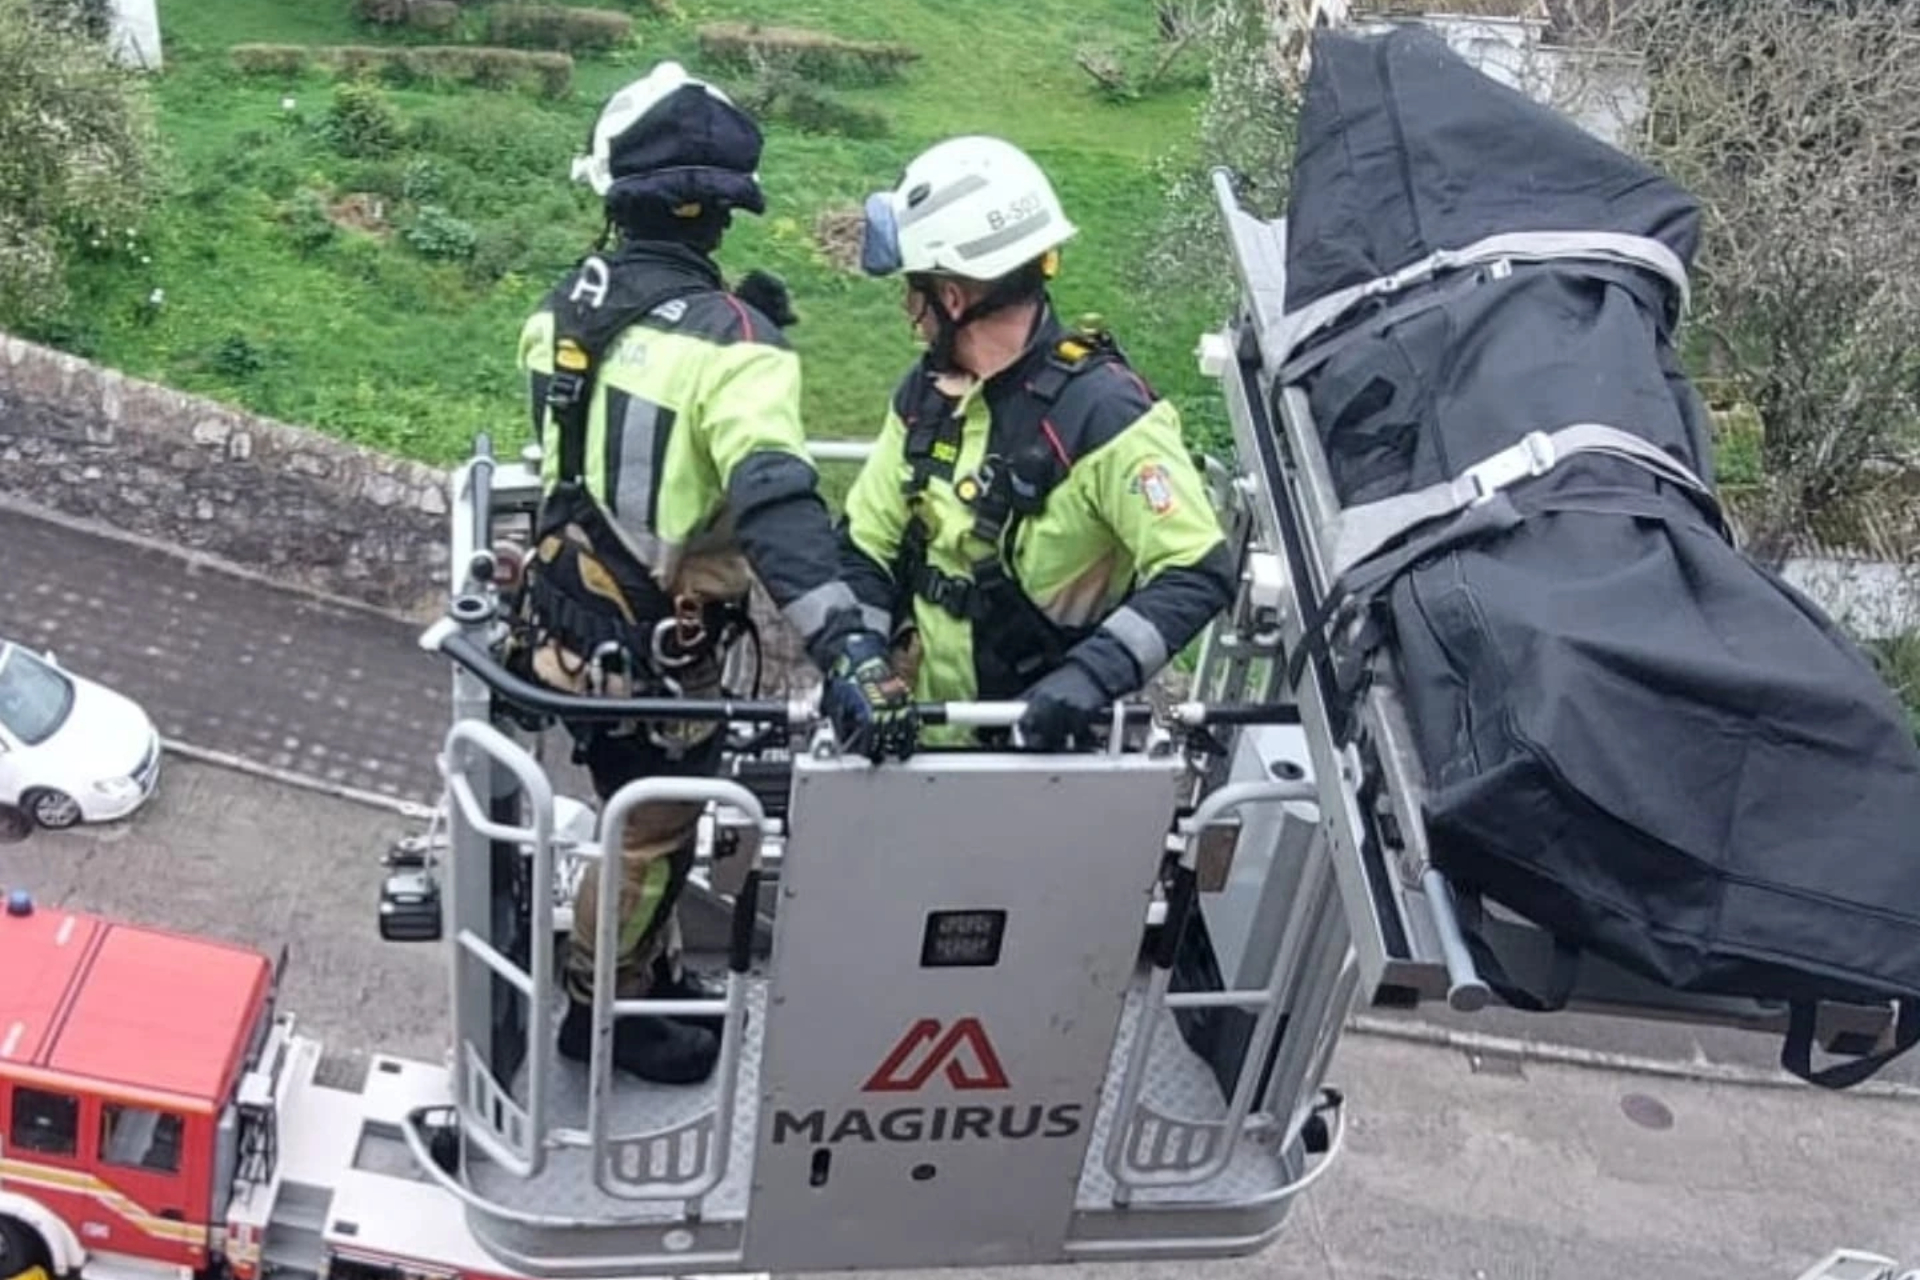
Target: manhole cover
[[1648, 1113]]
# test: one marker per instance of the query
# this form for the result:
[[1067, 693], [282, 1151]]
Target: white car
[[71, 750]]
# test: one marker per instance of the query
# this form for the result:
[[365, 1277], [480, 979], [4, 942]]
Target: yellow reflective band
[[21, 1172], [653, 887]]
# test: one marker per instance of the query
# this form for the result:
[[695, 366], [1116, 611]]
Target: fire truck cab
[[121, 1055]]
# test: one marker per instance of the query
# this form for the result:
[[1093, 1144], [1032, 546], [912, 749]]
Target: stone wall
[[260, 496], [305, 508]]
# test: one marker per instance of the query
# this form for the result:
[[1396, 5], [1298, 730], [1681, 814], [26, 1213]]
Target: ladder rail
[[1300, 506], [717, 1125], [1157, 1001], [470, 742]]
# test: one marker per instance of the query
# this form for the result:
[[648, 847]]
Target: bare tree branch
[[1797, 123]]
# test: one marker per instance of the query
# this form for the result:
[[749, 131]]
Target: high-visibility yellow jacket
[[1125, 562], [691, 445]]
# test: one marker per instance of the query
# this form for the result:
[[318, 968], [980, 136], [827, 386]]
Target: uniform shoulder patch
[[1154, 486]]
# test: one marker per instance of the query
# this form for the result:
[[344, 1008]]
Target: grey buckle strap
[[1513, 246], [1360, 532]]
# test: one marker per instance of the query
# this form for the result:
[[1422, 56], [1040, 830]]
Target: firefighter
[[1030, 520], [674, 467]]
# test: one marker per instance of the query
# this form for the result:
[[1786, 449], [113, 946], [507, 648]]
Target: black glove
[[1062, 709], [768, 294], [869, 705]]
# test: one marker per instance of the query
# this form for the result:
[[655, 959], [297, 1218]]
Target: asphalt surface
[[219, 853], [344, 696], [1451, 1169], [230, 664]]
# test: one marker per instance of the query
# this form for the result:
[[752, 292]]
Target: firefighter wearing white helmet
[[1031, 521], [673, 468]]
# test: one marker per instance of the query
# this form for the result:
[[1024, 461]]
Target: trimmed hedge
[[557, 27], [438, 16], [271, 59], [811, 111], [424, 15], [482, 66], [815, 55]]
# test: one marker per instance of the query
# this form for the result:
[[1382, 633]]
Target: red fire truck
[[158, 1119], [122, 1050]]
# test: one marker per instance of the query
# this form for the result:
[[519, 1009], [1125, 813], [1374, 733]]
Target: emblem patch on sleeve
[[1155, 486]]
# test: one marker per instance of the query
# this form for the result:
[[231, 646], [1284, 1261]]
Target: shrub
[[815, 55], [426, 15], [308, 225], [92, 19], [545, 72], [497, 141], [362, 121], [237, 357], [422, 181], [497, 251], [64, 332], [78, 157], [1897, 659], [1246, 124], [557, 27], [269, 59], [384, 13], [437, 16], [1794, 124], [788, 98], [435, 233], [385, 177]]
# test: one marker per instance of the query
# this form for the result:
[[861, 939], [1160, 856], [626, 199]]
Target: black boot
[[655, 1049], [690, 985]]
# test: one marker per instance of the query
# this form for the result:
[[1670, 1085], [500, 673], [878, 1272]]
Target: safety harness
[[583, 587], [1014, 641]]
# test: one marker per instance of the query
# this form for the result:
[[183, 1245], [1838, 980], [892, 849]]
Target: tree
[[78, 155], [1246, 125], [94, 18], [1797, 124]]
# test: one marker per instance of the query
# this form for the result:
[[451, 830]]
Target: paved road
[[219, 853], [1532, 1172], [229, 663]]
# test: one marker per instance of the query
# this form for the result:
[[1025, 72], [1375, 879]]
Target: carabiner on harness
[[597, 666], [688, 631]]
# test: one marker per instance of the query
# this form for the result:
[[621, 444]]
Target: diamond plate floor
[[1180, 1087], [567, 1186]]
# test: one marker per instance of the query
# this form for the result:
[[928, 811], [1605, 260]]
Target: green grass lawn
[[268, 304]]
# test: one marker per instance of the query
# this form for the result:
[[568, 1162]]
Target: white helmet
[[972, 206], [677, 138]]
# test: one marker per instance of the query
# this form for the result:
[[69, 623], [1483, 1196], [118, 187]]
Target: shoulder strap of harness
[[595, 303], [1014, 640]]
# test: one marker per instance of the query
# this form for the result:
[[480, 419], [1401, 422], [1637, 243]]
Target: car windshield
[[34, 697]]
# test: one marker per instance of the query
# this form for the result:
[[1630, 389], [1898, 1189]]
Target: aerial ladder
[[983, 1007]]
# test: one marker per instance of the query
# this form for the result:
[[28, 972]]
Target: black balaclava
[[644, 218]]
